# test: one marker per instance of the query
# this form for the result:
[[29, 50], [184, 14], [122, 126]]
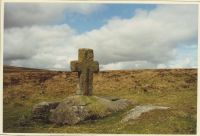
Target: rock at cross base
[[41, 111], [75, 109], [85, 66], [78, 108]]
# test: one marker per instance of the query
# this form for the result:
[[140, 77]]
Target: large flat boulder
[[75, 109]]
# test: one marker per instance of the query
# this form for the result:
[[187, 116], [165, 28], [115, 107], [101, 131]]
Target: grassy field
[[176, 88]]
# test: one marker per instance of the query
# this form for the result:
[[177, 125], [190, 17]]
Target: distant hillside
[[25, 69], [20, 69]]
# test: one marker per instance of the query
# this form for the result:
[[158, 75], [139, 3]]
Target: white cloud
[[26, 14], [128, 65], [147, 40], [148, 36], [183, 63], [39, 46]]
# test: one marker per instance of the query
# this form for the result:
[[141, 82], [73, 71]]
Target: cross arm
[[75, 66], [95, 66]]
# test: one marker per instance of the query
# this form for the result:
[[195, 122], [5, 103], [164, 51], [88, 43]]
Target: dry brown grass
[[176, 88]]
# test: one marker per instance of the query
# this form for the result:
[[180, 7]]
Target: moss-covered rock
[[41, 111], [78, 108]]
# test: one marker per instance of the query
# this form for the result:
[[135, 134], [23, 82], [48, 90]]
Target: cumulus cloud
[[148, 36], [185, 62], [128, 65], [39, 46], [26, 14], [147, 40]]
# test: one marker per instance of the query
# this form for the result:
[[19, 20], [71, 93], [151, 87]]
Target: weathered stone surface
[[41, 111], [85, 66], [78, 108], [112, 98], [138, 110]]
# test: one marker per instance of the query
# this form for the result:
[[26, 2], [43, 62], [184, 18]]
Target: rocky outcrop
[[42, 110], [75, 109]]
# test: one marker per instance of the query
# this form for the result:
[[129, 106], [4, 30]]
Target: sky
[[123, 36]]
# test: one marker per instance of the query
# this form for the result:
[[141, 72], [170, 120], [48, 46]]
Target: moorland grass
[[175, 89]]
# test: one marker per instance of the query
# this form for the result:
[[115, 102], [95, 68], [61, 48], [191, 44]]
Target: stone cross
[[85, 66]]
